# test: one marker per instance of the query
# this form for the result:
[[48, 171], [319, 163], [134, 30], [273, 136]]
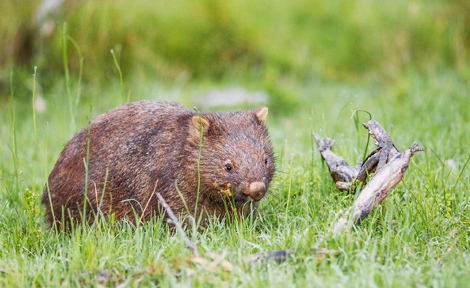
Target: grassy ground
[[405, 62], [408, 241]]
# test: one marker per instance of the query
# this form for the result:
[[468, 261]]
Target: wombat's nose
[[256, 190]]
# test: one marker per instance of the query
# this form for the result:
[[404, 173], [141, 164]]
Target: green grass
[[406, 62], [352, 40], [407, 241]]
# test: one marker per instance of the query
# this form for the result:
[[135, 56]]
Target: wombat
[[144, 147]]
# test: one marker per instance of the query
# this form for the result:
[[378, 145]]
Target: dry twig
[[177, 223]]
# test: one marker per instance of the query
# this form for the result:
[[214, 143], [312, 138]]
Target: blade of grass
[[458, 177], [368, 137], [67, 75], [80, 72], [198, 163], [13, 203], [120, 76], [12, 113]]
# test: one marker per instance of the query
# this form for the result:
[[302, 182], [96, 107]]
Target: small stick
[[175, 220], [148, 201], [463, 210], [338, 167], [458, 221], [425, 238]]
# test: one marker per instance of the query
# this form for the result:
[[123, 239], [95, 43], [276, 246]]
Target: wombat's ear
[[196, 122], [262, 115]]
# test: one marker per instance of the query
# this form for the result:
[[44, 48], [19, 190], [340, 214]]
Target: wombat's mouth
[[230, 193], [241, 196]]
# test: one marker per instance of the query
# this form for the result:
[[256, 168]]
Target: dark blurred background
[[256, 42]]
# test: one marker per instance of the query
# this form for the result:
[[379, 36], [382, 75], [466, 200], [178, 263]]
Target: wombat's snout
[[256, 190]]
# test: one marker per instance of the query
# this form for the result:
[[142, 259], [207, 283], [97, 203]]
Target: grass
[[407, 241], [351, 40], [405, 62]]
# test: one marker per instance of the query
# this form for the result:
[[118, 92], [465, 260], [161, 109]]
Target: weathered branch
[[368, 167], [372, 163], [385, 179], [339, 168], [177, 223], [379, 187], [382, 141]]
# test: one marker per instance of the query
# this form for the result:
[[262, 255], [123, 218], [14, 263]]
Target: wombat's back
[[124, 143]]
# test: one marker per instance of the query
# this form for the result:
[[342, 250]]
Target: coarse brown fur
[[146, 146]]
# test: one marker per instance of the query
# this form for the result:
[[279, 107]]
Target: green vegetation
[[208, 39], [406, 62]]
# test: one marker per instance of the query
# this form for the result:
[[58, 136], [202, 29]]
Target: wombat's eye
[[228, 167], [265, 161]]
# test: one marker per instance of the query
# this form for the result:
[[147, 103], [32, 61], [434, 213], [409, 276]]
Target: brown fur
[[144, 142]]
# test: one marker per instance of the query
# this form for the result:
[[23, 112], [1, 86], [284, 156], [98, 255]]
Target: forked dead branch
[[386, 162], [348, 177], [388, 166]]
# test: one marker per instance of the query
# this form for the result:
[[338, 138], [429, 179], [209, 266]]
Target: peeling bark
[[378, 188], [339, 168]]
